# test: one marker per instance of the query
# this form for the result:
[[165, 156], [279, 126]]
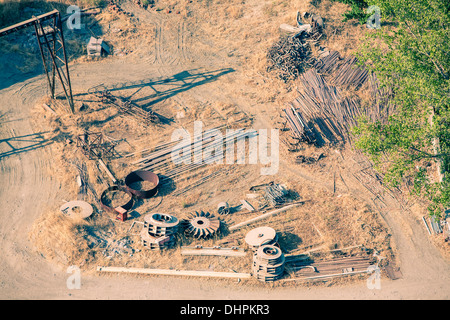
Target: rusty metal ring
[[126, 206], [142, 175]]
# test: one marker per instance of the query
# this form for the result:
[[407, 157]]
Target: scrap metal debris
[[291, 55], [97, 47], [288, 57], [127, 106], [276, 194], [223, 208], [309, 160], [93, 146], [119, 247]]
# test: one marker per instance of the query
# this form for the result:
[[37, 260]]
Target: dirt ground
[[219, 69]]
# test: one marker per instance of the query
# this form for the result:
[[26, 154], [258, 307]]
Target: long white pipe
[[190, 273], [263, 216]]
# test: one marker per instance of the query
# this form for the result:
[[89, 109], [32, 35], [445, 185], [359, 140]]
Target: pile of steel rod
[[344, 72], [307, 268], [350, 73], [321, 109], [328, 62], [209, 149]]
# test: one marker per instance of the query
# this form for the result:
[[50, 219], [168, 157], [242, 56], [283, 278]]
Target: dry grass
[[58, 238]]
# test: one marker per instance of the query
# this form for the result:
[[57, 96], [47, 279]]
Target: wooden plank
[[188, 273], [247, 205], [228, 252], [105, 168], [47, 107], [292, 29], [426, 225], [263, 216]]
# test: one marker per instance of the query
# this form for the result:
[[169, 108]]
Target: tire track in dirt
[[25, 190]]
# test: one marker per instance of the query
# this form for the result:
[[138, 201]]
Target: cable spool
[[261, 236], [223, 208], [159, 231], [77, 209], [161, 224], [153, 242], [268, 263]]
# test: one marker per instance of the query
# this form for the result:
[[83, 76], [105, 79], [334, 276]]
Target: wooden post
[[104, 167]]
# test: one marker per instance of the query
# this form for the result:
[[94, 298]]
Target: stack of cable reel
[[257, 237], [159, 231], [268, 263]]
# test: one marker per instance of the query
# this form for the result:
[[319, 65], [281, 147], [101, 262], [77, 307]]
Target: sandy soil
[[28, 187]]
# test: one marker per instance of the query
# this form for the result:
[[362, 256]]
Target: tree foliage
[[356, 11], [410, 53]]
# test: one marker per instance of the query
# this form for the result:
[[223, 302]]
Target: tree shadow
[[289, 241]]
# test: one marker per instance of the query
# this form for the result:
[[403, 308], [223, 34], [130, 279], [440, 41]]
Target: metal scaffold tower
[[50, 37]]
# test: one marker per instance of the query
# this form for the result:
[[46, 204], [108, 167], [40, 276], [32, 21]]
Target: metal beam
[[28, 23], [48, 37]]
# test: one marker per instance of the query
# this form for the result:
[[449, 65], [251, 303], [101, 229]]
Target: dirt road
[[27, 185]]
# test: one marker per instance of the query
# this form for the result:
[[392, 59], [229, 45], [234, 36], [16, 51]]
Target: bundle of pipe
[[275, 194], [328, 62], [350, 73], [162, 160], [322, 105]]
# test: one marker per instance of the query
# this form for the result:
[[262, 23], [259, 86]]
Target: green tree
[[357, 10], [410, 53]]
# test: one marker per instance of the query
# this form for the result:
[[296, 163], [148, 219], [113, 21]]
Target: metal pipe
[[189, 273]]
